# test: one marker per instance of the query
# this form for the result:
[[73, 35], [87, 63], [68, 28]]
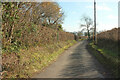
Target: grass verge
[[27, 62], [107, 58]]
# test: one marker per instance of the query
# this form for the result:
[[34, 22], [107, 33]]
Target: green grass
[[109, 59], [105, 52]]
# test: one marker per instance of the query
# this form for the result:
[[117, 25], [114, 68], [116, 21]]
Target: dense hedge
[[36, 36], [25, 54], [22, 24], [27, 48], [109, 40]]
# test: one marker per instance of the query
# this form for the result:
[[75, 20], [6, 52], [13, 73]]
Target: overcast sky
[[107, 14]]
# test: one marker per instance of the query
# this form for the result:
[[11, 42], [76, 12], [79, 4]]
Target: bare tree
[[86, 25]]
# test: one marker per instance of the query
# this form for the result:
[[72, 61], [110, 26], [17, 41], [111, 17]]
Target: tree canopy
[[19, 19]]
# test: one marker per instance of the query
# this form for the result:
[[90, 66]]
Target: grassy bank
[[109, 60], [27, 62]]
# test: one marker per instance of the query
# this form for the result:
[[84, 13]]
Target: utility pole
[[94, 22]]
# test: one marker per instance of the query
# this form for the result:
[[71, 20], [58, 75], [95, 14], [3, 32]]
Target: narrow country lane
[[76, 62]]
